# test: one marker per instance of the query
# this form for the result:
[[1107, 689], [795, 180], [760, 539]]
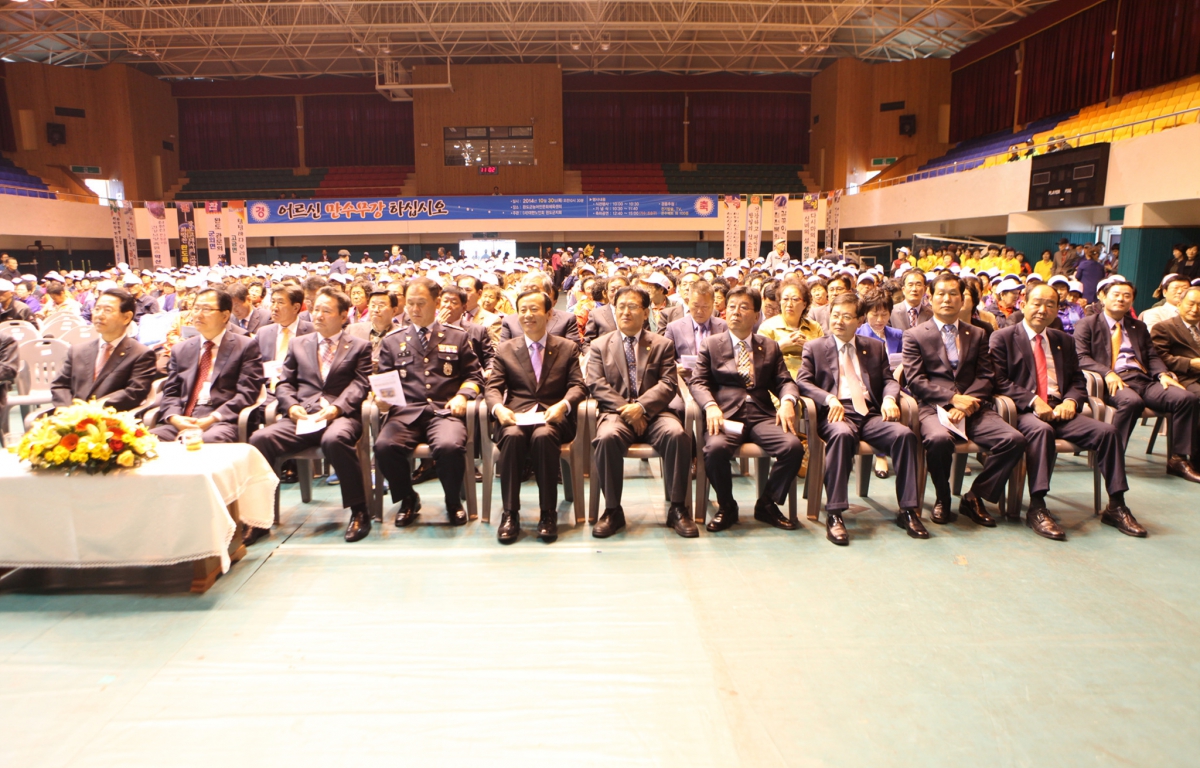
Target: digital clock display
[[487, 170]]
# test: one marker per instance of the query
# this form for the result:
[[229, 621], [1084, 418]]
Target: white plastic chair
[[79, 334], [61, 323], [20, 330], [42, 359]]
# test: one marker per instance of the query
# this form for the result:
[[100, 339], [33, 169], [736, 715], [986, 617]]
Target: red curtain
[[748, 127], [606, 127], [223, 134], [983, 96], [1068, 65], [357, 129], [1159, 41], [8, 138]]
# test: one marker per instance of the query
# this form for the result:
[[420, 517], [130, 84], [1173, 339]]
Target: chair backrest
[[43, 358], [79, 334], [20, 330], [60, 324]]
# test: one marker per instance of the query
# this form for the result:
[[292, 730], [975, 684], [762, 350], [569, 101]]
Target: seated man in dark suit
[[849, 378], [735, 376], [324, 378], [690, 333], [601, 319], [1118, 348], [116, 369], [382, 308], [1037, 366], [914, 310], [536, 371], [558, 323], [632, 376], [10, 362], [286, 324], [439, 374], [947, 365], [211, 377], [1177, 342], [245, 315], [450, 312]]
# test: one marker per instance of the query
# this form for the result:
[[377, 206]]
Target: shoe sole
[[596, 535], [548, 539]]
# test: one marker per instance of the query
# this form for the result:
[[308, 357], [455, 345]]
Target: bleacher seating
[[974, 152], [667, 178], [18, 181], [365, 181], [623, 178], [1146, 110], [272, 183]]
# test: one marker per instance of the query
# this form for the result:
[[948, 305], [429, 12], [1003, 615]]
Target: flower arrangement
[[87, 436]]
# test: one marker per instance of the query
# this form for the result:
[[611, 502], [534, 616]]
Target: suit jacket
[[1175, 345], [257, 318], [512, 382], [1016, 369], [481, 342], [561, 324], [10, 361], [900, 316], [123, 383], [490, 321], [338, 267], [671, 312], [450, 368], [608, 373], [680, 333], [237, 378], [927, 368], [268, 335], [301, 383], [235, 329], [601, 320], [716, 378], [1094, 343], [820, 373]]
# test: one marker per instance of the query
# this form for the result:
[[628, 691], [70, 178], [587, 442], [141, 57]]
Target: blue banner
[[484, 207]]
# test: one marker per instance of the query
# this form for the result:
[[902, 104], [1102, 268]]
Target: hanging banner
[[754, 227], [836, 219], [187, 232], [811, 205], [160, 243], [216, 238], [733, 228], [118, 232], [779, 205], [237, 234], [130, 227]]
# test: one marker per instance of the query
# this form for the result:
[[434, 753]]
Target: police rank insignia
[[448, 369]]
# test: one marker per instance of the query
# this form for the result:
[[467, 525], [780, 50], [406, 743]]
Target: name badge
[[447, 348]]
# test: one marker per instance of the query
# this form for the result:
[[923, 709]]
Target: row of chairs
[[70, 328]]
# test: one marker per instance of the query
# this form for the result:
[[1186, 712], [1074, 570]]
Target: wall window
[[488, 145]]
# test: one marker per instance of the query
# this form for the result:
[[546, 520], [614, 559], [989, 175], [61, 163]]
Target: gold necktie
[[281, 345], [854, 384], [745, 365]]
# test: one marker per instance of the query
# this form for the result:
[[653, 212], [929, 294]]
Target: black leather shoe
[[911, 522], [548, 527], [288, 476], [1181, 467], [723, 520], [410, 506], [609, 523], [1038, 518], [682, 522], [457, 516], [426, 471], [768, 512], [972, 507], [510, 527], [941, 513], [254, 535], [1122, 519], [360, 525], [835, 529]]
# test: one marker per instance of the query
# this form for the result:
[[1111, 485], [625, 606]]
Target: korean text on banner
[[237, 234], [187, 232], [130, 227], [811, 205], [216, 237], [754, 227], [779, 232], [836, 219], [160, 243], [733, 228], [118, 232]]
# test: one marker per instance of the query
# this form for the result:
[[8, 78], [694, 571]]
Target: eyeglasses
[[204, 310]]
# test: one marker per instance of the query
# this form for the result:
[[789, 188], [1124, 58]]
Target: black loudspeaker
[[56, 133], [1069, 179], [908, 125]]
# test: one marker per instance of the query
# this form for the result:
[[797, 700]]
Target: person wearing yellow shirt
[[1046, 266]]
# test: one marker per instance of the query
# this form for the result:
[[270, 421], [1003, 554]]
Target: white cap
[[5, 286], [54, 276], [660, 280], [903, 249], [1074, 285], [1058, 280], [1008, 285], [131, 279]]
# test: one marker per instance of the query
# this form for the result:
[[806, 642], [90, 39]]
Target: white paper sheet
[[305, 426], [531, 418], [689, 361], [271, 369], [387, 388], [959, 430], [733, 427]]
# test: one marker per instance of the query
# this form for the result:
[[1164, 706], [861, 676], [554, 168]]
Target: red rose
[[114, 426], [139, 433], [69, 441], [83, 425], [116, 445]]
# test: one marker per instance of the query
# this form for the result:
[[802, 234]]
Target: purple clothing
[[1089, 273]]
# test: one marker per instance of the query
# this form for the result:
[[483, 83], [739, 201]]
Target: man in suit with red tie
[[439, 374], [536, 371], [1119, 348], [947, 365], [211, 377], [324, 379], [116, 368], [850, 379], [735, 376], [1038, 367], [631, 373]]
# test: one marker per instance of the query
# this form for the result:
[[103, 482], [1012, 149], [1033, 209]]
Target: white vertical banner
[[811, 206], [130, 227], [118, 234], [733, 226], [160, 242], [836, 219], [237, 234], [754, 227], [779, 205], [216, 237]]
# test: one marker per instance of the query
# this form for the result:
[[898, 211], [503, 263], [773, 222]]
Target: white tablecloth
[[170, 510]]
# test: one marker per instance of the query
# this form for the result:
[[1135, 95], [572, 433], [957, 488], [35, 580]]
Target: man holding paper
[[534, 392], [947, 366], [736, 374], [631, 373], [850, 379], [438, 373], [322, 385]]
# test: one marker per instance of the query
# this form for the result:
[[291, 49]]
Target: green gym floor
[[433, 646]]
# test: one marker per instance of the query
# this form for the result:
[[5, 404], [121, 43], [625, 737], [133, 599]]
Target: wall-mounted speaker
[[56, 133], [908, 125]]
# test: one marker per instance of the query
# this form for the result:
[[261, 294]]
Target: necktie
[[913, 313], [423, 337], [1116, 345], [205, 369], [102, 358], [1039, 361], [327, 349], [1195, 334], [950, 339], [853, 383], [744, 364], [631, 362], [281, 344], [535, 358], [701, 335]]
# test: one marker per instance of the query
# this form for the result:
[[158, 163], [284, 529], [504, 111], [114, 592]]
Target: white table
[[183, 506]]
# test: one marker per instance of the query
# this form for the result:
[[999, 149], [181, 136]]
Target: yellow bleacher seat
[[1142, 129]]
